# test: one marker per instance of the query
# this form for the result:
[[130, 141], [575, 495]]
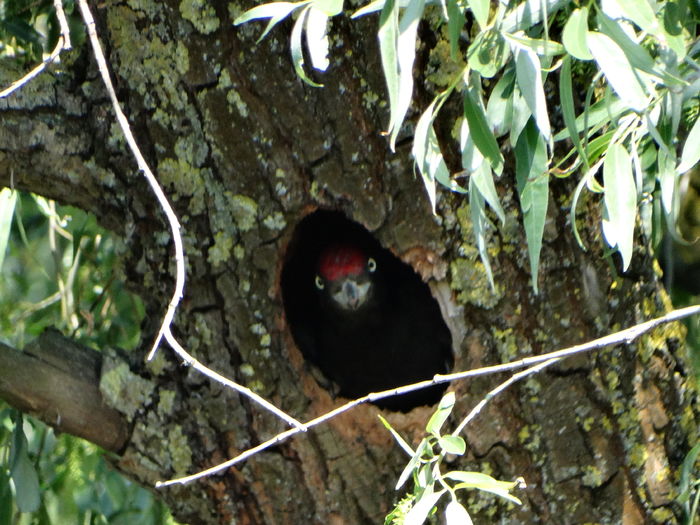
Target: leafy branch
[[640, 63]]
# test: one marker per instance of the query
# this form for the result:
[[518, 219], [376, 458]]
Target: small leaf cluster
[[628, 132], [431, 484]]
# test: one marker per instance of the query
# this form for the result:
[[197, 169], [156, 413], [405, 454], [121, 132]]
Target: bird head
[[345, 276]]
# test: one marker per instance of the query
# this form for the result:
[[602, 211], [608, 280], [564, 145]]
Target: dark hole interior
[[395, 338]]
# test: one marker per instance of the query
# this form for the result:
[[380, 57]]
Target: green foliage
[[430, 483], [59, 479], [638, 62], [689, 488], [28, 30], [60, 269]]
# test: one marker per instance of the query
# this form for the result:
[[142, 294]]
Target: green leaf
[[21, 30], [406, 50], [691, 149], [479, 225], [574, 35], [567, 107], [22, 471], [275, 11], [480, 133], [668, 183], [317, 37], [412, 464], [603, 112], [499, 109], [6, 506], [538, 46], [480, 481], [421, 153], [637, 55], [452, 444], [441, 414], [456, 514], [422, 507], [402, 443], [637, 11], [521, 115], [428, 157], [487, 53], [480, 9], [528, 72], [620, 201], [8, 199], [455, 23], [685, 486], [295, 47], [533, 186], [483, 181], [388, 35], [329, 7], [618, 71]]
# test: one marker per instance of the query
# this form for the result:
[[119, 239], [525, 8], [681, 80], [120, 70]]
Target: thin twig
[[189, 360], [63, 44], [626, 336], [164, 330]]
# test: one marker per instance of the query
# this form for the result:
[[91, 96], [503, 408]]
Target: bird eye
[[371, 265], [319, 282]]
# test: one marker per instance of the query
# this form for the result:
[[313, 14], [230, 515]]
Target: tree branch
[[57, 381]]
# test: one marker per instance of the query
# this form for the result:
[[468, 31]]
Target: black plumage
[[396, 336]]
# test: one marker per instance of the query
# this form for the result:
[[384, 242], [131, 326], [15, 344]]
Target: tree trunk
[[245, 150]]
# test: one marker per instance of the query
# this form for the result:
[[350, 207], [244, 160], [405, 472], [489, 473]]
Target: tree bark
[[244, 151]]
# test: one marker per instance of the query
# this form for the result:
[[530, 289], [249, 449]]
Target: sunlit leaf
[[575, 32], [620, 200], [668, 182], [388, 35], [406, 51], [617, 70], [421, 152], [529, 74], [452, 444], [533, 186], [456, 514], [637, 11], [481, 481], [402, 443], [295, 47], [691, 149], [275, 11], [537, 45], [8, 198], [488, 53], [599, 114], [499, 109], [441, 414], [480, 223], [480, 9], [329, 7], [422, 507], [636, 54], [317, 38]]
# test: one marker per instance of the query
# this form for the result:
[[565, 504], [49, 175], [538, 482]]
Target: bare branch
[[540, 362], [58, 381]]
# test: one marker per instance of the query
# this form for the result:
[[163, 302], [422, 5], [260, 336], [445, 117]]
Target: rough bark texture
[[245, 150]]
